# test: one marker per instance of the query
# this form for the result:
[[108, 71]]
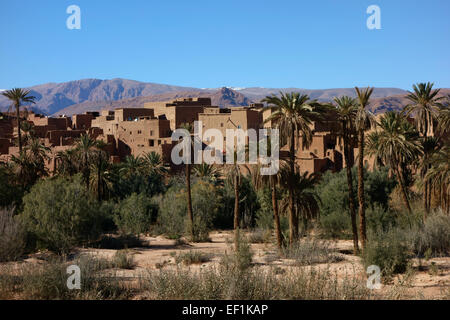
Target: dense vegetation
[[87, 196]]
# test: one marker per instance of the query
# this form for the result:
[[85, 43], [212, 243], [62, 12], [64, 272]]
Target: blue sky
[[211, 43]]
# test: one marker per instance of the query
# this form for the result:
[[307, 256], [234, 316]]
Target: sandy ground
[[430, 281]]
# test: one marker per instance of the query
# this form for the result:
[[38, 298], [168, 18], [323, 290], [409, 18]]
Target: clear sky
[[212, 43]]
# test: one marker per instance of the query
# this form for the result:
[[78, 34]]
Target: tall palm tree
[[272, 181], [293, 114], [17, 97], [153, 164], [424, 106], [101, 181], [362, 124], [86, 148], [397, 144], [444, 118], [188, 168], [346, 109], [430, 145], [438, 176]]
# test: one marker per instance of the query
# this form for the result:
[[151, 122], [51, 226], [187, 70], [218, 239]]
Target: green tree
[[59, 214], [134, 214], [346, 109], [293, 115], [362, 124], [397, 144], [18, 97]]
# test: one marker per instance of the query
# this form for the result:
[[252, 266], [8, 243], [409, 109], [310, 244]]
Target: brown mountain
[[52, 97]]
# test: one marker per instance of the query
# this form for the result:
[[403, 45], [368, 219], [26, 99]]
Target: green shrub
[[311, 251], [387, 250], [134, 214], [192, 257], [242, 256], [48, 281], [433, 236], [123, 259], [172, 215], [336, 225], [260, 236], [12, 236], [59, 214]]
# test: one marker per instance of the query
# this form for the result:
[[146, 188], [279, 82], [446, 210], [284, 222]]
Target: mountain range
[[94, 94]]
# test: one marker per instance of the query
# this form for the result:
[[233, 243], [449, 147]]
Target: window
[[159, 142], [151, 132], [221, 124], [151, 143]]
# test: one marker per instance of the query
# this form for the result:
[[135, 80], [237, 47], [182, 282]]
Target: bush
[[260, 236], [225, 283], [433, 236], [387, 250], [311, 251], [336, 225], [242, 256], [192, 257], [59, 214], [134, 214], [48, 281], [122, 259], [172, 216], [12, 236], [335, 220]]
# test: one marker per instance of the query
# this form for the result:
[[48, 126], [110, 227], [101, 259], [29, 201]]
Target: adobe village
[[359, 208]]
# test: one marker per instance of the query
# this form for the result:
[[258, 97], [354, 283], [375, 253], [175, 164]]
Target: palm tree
[[234, 174], [424, 107], [188, 167], [438, 176], [131, 166], [397, 144], [208, 172], [101, 181], [293, 114], [430, 145], [153, 164], [17, 97], [346, 109], [362, 123], [86, 149], [306, 199], [260, 181], [444, 118], [66, 162]]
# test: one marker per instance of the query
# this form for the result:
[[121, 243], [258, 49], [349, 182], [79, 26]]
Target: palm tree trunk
[[99, 193], [18, 127], [189, 199], [236, 211], [236, 202], [276, 216], [351, 203], [402, 186], [361, 200], [425, 201], [293, 221]]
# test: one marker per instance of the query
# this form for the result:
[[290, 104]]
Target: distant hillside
[[257, 94], [52, 97], [223, 97], [396, 102], [94, 94]]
